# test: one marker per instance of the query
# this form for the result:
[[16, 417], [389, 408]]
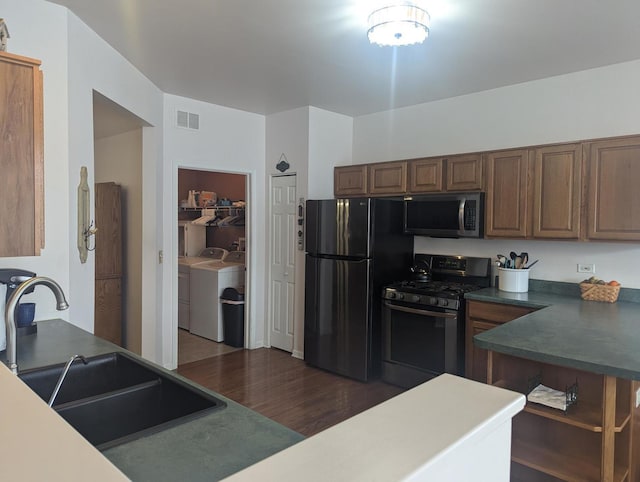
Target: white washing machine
[[184, 280], [208, 281]]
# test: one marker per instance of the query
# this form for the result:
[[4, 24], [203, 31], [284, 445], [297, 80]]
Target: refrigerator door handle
[[416, 311]]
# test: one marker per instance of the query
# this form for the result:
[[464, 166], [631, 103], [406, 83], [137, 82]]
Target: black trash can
[[232, 300]]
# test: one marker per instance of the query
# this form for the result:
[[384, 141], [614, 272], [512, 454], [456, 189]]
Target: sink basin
[[116, 398]]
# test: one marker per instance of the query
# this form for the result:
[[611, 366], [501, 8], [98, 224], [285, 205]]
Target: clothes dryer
[[184, 280], [208, 281]]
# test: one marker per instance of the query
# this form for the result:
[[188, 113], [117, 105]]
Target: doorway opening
[[212, 213], [118, 155]]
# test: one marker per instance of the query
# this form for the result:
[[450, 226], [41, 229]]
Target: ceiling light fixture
[[401, 23]]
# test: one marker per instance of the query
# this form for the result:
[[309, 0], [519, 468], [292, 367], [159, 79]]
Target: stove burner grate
[[438, 286]]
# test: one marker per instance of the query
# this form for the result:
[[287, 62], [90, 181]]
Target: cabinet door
[[21, 157], [108, 262], [507, 209], [425, 175], [482, 316], [350, 181], [387, 178], [613, 196], [464, 173], [557, 192], [108, 310], [476, 358]]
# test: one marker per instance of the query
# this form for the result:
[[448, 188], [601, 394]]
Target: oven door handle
[[415, 311]]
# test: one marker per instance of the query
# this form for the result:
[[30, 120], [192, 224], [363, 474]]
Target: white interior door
[[283, 251]]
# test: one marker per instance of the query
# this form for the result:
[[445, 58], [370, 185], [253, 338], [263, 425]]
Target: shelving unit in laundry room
[[219, 233], [221, 212]]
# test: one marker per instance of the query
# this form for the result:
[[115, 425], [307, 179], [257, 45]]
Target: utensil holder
[[513, 280]]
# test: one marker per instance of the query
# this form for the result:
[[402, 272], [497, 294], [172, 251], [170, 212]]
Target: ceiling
[[268, 56]]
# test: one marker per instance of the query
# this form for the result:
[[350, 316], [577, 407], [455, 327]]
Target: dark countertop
[[597, 337], [208, 448]]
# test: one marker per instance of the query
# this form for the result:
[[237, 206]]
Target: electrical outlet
[[586, 268]]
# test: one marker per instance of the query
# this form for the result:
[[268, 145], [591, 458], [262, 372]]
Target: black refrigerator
[[353, 248]]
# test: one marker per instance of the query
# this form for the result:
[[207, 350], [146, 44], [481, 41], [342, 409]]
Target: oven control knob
[[400, 296], [416, 298], [433, 301], [391, 294], [443, 302]]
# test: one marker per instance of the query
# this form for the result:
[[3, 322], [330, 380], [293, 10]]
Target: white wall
[[594, 103], [75, 61], [39, 30], [330, 145], [94, 65], [228, 140], [601, 102]]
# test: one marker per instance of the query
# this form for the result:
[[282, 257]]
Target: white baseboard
[[298, 354]]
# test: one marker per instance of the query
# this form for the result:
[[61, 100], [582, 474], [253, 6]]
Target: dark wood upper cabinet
[[557, 191], [585, 190], [388, 178], [464, 173], [613, 192], [442, 174], [350, 181], [21, 157], [425, 175], [507, 204]]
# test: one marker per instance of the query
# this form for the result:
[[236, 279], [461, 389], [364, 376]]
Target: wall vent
[[187, 120]]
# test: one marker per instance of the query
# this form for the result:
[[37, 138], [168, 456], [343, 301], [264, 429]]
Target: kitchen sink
[[116, 398]]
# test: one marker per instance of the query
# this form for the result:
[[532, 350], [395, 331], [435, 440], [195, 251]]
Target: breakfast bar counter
[[449, 428], [208, 448]]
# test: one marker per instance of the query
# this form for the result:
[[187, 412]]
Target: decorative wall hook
[[85, 225], [90, 231], [283, 165]]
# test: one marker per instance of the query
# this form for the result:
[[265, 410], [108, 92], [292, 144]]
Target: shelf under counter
[[584, 414], [590, 442], [551, 463]]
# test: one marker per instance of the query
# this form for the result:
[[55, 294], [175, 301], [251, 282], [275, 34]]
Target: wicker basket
[[594, 292]]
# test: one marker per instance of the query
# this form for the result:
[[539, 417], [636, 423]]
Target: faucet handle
[[19, 279], [8, 275]]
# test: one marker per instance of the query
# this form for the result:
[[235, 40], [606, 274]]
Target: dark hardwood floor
[[285, 389]]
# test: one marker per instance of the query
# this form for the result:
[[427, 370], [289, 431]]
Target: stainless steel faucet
[[63, 376], [10, 310]]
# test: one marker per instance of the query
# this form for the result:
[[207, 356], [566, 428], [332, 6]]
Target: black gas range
[[429, 293], [424, 319]]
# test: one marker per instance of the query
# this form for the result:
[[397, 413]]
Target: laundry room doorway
[[212, 242]]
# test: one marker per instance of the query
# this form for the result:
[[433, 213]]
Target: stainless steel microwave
[[455, 215]]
